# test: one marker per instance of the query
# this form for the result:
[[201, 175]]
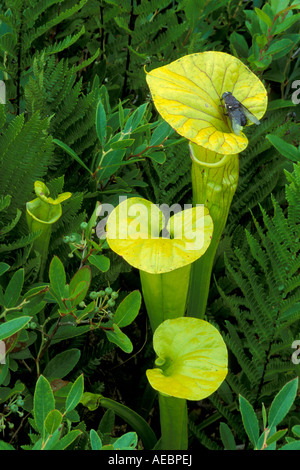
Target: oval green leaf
[[101, 123], [62, 364], [96, 442], [3, 268], [79, 285], [100, 261], [282, 403], [128, 309], [53, 421], [14, 289], [119, 338], [57, 277], [75, 394], [11, 327], [250, 420], [43, 403]]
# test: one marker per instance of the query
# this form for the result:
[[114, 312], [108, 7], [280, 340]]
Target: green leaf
[[62, 364], [141, 148], [119, 338], [43, 403], [110, 163], [101, 123], [137, 116], [96, 443], [296, 430], [107, 422], [279, 5], [239, 44], [93, 220], [6, 393], [75, 394], [126, 442], [57, 277], [291, 446], [11, 327], [264, 17], [284, 148], [250, 420], [73, 416], [83, 313], [264, 415], [3, 268], [276, 436], [79, 285], [6, 446], [128, 309], [227, 437], [287, 23], [67, 440], [69, 331], [53, 421], [14, 289], [71, 152], [100, 261], [279, 104], [282, 403], [121, 114], [162, 131], [122, 144], [279, 45], [4, 370], [49, 442], [158, 157]]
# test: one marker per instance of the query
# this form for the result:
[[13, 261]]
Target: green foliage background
[[58, 59]]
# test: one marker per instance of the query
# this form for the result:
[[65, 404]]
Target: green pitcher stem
[[165, 295], [214, 181], [173, 422], [41, 245], [41, 215]]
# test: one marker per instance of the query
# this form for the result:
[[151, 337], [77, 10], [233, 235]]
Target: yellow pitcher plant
[[134, 231], [41, 213], [192, 356], [191, 365], [188, 95]]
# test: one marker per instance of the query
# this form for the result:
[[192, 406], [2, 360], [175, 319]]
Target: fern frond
[[20, 243], [25, 153], [264, 297], [35, 33], [203, 438], [171, 182]]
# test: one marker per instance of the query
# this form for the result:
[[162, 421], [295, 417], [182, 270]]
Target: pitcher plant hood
[[134, 232], [192, 359], [187, 93]]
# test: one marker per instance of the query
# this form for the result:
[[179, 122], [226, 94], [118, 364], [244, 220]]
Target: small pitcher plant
[[191, 365], [42, 212]]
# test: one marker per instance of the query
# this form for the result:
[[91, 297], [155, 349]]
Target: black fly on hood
[[237, 112]]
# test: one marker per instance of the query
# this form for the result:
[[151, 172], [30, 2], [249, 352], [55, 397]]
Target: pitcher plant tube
[[189, 94], [214, 182], [41, 213], [191, 364], [161, 249]]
